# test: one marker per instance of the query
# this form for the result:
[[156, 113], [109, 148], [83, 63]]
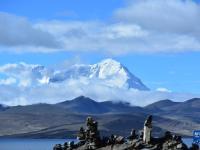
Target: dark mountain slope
[[83, 105], [64, 119], [2, 107], [86, 105], [188, 111]]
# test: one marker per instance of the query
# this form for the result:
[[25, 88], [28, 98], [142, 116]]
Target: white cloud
[[175, 16], [117, 38], [143, 26], [19, 32], [161, 89], [28, 84], [53, 93], [24, 74]]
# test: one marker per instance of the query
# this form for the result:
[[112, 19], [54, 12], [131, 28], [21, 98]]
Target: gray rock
[[91, 141]]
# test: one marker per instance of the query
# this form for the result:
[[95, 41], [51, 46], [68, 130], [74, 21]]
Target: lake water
[[40, 144], [29, 144]]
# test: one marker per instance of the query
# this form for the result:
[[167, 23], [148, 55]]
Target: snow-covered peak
[[107, 68], [108, 72], [109, 61], [114, 74]]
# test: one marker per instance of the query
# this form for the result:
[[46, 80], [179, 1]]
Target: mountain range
[[108, 72], [62, 120]]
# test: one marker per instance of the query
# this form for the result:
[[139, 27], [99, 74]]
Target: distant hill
[[188, 110], [83, 105], [86, 105], [62, 120], [160, 105], [3, 107], [170, 107]]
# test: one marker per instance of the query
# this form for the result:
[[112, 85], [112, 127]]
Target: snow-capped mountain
[[108, 72]]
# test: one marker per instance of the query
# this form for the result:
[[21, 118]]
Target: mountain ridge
[[64, 119], [82, 104]]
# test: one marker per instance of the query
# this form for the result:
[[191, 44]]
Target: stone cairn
[[89, 139], [91, 135]]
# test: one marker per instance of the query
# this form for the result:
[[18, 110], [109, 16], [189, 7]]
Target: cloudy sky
[[158, 40]]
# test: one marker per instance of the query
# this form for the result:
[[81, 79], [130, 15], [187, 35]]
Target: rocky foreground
[[90, 139]]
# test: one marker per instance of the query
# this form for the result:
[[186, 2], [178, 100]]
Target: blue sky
[[62, 9], [169, 58]]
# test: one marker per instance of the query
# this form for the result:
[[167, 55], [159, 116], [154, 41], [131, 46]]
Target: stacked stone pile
[[89, 139]]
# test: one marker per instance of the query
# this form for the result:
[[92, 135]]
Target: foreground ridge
[[89, 139]]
